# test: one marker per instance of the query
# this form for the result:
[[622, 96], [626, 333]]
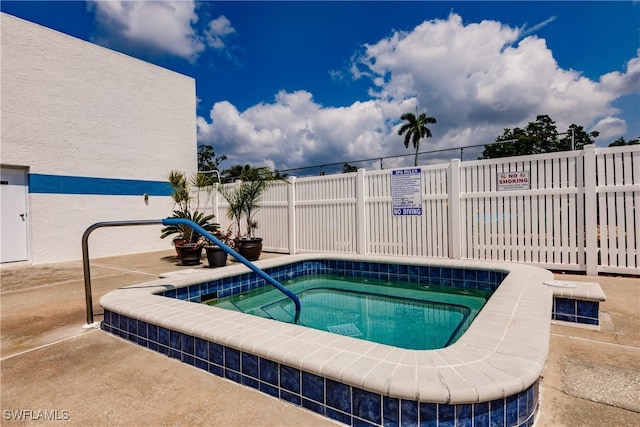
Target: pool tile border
[[491, 374]]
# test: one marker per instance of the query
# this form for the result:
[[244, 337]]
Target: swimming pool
[[402, 314], [489, 376]]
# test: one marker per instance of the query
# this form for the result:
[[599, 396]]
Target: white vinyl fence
[[572, 211]]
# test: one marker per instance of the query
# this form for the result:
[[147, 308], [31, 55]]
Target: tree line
[[537, 137]]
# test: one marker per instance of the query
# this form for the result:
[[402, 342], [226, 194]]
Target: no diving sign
[[406, 192], [513, 181]]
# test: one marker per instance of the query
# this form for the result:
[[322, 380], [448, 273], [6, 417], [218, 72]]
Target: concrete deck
[[87, 377]]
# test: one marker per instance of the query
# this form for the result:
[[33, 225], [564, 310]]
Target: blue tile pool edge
[[341, 402], [176, 344]]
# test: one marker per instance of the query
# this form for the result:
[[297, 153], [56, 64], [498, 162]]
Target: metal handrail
[[170, 221], [237, 256], [85, 258]]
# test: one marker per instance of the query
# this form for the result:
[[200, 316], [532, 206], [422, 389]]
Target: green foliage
[[415, 129], [347, 168], [539, 136], [622, 142], [244, 197], [207, 160], [187, 207], [184, 231]]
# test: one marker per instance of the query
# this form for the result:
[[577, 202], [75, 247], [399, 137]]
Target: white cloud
[[475, 78], [218, 29], [610, 127], [167, 27]]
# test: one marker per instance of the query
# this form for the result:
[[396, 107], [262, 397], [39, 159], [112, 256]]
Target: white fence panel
[[579, 212], [618, 196]]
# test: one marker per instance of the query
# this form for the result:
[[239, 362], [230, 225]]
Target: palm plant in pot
[[187, 240], [244, 199]]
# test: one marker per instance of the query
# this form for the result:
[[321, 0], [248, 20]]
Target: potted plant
[[244, 199], [187, 241], [216, 256]]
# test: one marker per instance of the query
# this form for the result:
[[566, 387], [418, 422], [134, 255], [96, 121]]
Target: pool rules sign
[[406, 192]]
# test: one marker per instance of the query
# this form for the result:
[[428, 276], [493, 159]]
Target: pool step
[[576, 303]]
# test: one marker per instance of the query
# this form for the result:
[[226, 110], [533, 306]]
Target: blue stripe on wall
[[62, 184]]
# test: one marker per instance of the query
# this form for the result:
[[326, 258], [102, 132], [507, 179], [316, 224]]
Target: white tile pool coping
[[503, 352]]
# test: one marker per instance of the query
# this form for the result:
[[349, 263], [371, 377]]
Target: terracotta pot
[[249, 248], [178, 241], [189, 253], [216, 256]]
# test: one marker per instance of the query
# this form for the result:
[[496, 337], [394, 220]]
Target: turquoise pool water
[[405, 315]]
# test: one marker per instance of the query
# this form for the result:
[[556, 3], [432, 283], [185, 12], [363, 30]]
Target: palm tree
[[415, 129]]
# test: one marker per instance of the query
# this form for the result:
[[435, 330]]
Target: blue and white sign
[[406, 192]]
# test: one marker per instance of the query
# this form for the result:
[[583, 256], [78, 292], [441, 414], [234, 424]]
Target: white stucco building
[[86, 132]]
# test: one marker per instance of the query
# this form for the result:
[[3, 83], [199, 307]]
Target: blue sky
[[292, 84]]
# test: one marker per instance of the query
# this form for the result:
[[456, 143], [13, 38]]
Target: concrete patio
[[87, 377]]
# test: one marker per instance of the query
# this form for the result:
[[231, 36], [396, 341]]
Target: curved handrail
[[85, 258], [169, 221], [237, 256]]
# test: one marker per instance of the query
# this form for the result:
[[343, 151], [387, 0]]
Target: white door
[[13, 199]]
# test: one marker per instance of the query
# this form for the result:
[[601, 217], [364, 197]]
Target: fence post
[[361, 226], [590, 211], [291, 215], [454, 218]]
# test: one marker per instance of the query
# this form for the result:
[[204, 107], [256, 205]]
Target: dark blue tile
[[481, 414], [457, 274], [187, 344], [250, 382], [357, 422], [390, 411], [523, 406], [290, 397], [201, 364], [290, 378], [250, 365], [338, 416], [233, 376], [188, 359], [511, 411], [338, 396], [446, 272], [565, 306], [182, 293], [311, 405], [313, 387], [232, 359], [153, 332], [269, 371], [174, 340], [482, 276], [202, 349], [132, 326], [588, 309], [586, 320], [446, 415], [270, 390], [464, 415], [367, 405], [564, 317], [216, 353], [428, 414], [496, 413], [408, 413], [216, 370]]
